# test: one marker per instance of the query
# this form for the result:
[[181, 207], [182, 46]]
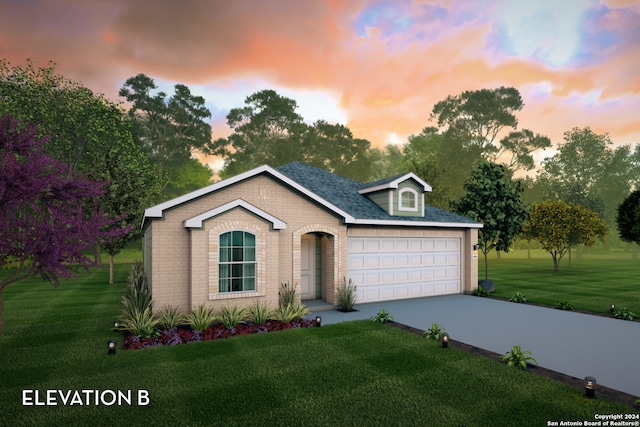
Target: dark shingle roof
[[343, 193]]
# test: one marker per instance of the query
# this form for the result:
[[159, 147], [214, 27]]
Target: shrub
[[259, 312], [141, 323], [518, 358], [518, 297], [434, 333], [170, 317], [383, 316], [624, 314], [564, 305], [201, 317], [481, 292], [290, 312], [232, 315], [138, 296], [287, 294], [347, 295]]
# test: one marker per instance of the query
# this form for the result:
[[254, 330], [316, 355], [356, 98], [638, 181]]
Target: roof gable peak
[[393, 183]]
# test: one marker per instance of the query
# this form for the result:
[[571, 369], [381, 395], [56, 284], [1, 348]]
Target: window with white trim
[[408, 200], [237, 262]]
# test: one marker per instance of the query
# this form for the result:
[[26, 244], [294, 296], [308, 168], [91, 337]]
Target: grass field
[[592, 283], [354, 373]]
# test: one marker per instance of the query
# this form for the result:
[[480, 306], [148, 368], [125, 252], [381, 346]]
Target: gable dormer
[[401, 195]]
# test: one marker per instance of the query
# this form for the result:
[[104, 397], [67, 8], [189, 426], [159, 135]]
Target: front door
[[308, 267]]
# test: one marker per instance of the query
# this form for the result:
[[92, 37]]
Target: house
[[237, 240]]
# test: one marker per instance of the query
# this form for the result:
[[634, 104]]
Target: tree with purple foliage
[[48, 215]]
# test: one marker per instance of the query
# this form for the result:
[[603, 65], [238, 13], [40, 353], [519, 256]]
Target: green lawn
[[354, 373], [592, 283]]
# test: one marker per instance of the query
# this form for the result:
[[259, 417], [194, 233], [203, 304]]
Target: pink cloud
[[387, 79]]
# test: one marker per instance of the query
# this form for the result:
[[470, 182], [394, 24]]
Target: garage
[[391, 268]]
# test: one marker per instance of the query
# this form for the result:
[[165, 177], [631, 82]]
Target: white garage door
[[390, 268]]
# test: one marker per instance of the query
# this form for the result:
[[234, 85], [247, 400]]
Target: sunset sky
[[376, 66]]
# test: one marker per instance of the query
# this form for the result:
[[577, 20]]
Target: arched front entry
[[315, 266]]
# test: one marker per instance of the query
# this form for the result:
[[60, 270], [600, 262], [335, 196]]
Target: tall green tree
[[332, 147], [478, 117], [586, 170], [188, 176], [81, 125], [495, 200], [268, 130], [89, 133], [131, 186], [385, 162], [429, 155], [559, 226], [628, 218], [168, 128]]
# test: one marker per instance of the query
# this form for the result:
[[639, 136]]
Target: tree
[[559, 226], [168, 129], [188, 176], [385, 162], [48, 215], [267, 130], [131, 186], [628, 218], [519, 146], [332, 147], [492, 198], [588, 172], [81, 126], [478, 117], [429, 155], [89, 133]]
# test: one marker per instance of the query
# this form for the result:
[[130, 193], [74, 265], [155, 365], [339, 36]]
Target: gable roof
[[393, 182], [345, 193], [336, 193]]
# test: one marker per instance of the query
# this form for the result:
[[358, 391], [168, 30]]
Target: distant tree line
[[149, 152]]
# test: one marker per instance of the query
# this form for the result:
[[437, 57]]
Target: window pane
[[249, 239], [249, 270], [236, 285], [408, 200], [225, 254], [250, 284], [250, 254], [225, 239], [223, 271], [237, 238], [237, 255], [224, 285], [236, 270]]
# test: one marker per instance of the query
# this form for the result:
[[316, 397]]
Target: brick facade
[[183, 261]]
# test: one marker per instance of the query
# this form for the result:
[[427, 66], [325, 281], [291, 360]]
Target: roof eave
[[158, 210], [416, 223]]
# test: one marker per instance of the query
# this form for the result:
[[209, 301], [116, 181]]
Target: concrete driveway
[[572, 343]]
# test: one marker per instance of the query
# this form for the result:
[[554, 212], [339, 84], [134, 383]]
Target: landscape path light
[[444, 339], [318, 321], [590, 387], [111, 347], [612, 308]]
